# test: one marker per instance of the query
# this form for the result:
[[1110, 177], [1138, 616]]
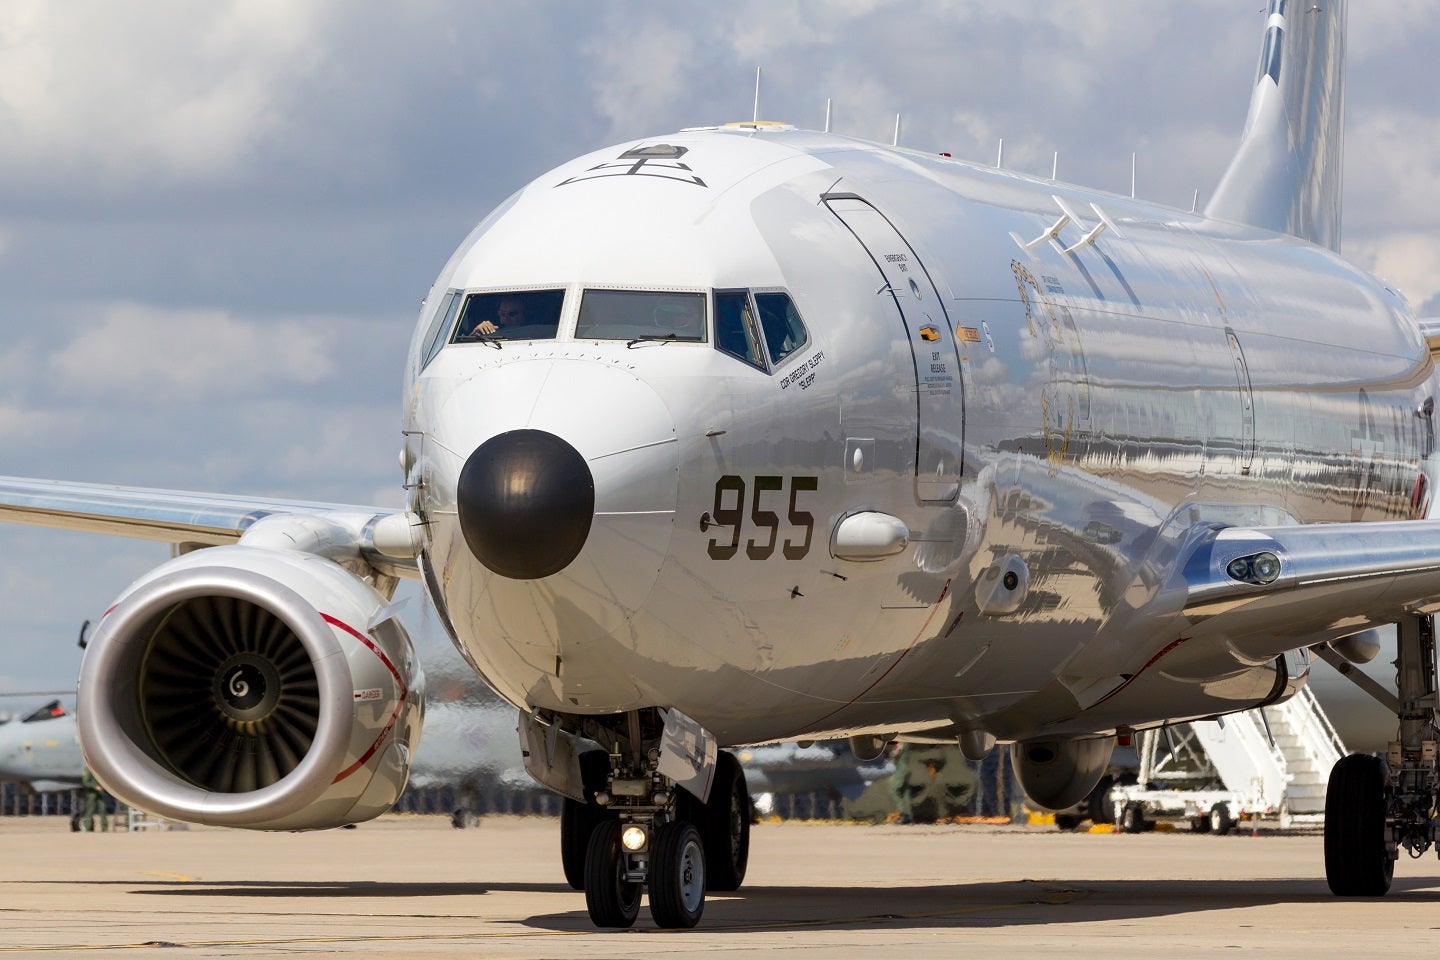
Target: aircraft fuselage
[[1049, 418]]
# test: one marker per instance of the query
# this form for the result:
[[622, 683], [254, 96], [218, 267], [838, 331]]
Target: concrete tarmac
[[411, 886]]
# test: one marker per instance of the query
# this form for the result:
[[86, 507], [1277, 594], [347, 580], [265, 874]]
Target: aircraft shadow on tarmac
[[981, 904], [338, 889], [998, 904]]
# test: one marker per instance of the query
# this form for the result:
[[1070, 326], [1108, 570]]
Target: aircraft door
[[940, 401], [1247, 402]]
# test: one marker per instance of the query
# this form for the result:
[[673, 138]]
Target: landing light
[[633, 838], [1260, 569]]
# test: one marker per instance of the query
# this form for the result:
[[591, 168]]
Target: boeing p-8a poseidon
[[749, 433]]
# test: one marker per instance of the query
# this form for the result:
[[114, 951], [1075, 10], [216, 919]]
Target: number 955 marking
[[729, 511]]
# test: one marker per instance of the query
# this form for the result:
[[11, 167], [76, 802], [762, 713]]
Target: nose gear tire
[[677, 876], [611, 900]]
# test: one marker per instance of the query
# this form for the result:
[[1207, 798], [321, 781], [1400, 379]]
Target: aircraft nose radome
[[525, 500]]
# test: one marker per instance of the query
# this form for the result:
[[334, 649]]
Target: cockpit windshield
[[738, 333], [641, 315], [784, 330], [510, 315]]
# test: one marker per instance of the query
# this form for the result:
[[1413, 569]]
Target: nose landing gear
[[644, 851], [638, 830]]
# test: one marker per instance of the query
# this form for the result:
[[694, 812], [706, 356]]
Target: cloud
[[125, 92], [19, 425], [1391, 147], [648, 75], [134, 351], [1373, 29], [1410, 260]]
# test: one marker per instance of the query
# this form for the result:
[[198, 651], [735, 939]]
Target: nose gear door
[[939, 401]]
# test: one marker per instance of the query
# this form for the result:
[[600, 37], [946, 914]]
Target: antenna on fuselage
[[828, 102], [1195, 204], [1055, 167], [896, 141], [1000, 156], [756, 118], [1132, 176]]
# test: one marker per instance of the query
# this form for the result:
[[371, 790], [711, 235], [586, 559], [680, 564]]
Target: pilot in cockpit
[[510, 312]]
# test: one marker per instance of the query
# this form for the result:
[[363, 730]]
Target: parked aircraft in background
[[41, 750], [748, 433], [790, 769]]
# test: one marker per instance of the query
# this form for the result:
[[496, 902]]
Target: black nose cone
[[526, 499]]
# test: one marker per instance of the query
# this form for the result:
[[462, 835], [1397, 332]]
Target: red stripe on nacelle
[[400, 700]]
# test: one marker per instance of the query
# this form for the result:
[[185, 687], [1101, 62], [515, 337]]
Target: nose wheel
[[677, 876], [669, 864], [611, 895], [627, 827]]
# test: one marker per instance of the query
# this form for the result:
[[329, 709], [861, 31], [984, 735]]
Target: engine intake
[[253, 688]]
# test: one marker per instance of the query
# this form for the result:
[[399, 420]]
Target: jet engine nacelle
[[250, 687], [1060, 773]]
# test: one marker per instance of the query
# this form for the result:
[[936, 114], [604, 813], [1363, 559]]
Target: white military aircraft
[[41, 750], [748, 433]]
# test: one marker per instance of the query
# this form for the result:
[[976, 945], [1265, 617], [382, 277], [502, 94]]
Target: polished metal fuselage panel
[[1109, 400]]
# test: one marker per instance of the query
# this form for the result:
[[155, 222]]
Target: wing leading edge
[[386, 538], [1261, 591]]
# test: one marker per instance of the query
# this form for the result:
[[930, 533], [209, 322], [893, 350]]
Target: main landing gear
[[637, 832], [1375, 807]]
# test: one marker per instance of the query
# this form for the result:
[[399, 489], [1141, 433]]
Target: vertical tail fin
[[1286, 174]]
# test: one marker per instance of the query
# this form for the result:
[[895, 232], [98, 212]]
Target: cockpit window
[[735, 331], [441, 324], [784, 330], [510, 315], [641, 315]]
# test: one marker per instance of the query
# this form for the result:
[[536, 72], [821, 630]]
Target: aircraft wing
[[182, 517], [1262, 587]]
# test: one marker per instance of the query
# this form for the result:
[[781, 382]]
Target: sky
[[217, 220]]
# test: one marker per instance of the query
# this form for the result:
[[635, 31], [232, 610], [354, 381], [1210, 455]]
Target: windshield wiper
[[652, 338], [489, 341]]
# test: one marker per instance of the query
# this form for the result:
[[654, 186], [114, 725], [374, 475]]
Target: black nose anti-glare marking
[[525, 500]]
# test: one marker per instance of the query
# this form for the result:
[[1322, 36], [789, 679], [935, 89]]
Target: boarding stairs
[[1269, 762], [1280, 754]]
